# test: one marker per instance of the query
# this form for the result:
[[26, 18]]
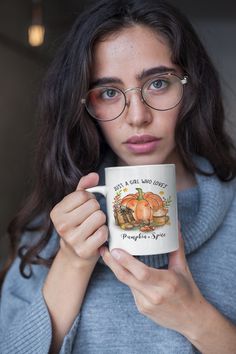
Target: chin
[[142, 160]]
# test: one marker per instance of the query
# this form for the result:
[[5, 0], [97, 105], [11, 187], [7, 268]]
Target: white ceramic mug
[[142, 208]]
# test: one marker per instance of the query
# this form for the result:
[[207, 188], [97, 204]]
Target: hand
[[80, 223], [168, 297]]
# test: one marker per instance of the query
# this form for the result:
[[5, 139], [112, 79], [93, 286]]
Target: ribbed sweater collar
[[201, 209]]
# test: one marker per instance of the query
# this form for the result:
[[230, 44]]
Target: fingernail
[[116, 254]]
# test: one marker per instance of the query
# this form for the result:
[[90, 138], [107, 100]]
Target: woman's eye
[[109, 94], [158, 84]]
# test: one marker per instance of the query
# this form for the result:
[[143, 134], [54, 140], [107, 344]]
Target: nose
[[137, 113]]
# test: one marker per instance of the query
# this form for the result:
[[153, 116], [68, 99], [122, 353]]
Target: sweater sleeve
[[25, 324]]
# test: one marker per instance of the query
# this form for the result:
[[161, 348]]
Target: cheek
[[171, 122], [109, 131], [165, 126]]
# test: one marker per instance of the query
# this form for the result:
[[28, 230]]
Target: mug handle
[[102, 190], [98, 189]]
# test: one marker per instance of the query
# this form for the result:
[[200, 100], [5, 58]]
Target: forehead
[[129, 52]]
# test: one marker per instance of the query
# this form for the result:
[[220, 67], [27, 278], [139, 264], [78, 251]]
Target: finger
[[139, 270], [74, 200], [87, 228], [79, 214], [152, 292], [149, 292], [88, 181], [62, 214], [120, 272], [90, 247]]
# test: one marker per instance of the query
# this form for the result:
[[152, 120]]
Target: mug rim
[[140, 166]]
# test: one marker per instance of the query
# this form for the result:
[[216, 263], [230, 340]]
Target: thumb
[[177, 259], [88, 181]]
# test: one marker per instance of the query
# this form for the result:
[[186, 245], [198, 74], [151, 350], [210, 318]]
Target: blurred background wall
[[22, 68]]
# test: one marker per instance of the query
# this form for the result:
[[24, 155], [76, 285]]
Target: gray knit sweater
[[109, 321]]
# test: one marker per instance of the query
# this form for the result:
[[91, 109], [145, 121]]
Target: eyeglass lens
[[160, 93]]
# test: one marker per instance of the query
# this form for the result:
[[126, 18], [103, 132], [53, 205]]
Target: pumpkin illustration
[[142, 204]]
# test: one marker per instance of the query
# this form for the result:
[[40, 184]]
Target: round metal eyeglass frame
[[183, 81]]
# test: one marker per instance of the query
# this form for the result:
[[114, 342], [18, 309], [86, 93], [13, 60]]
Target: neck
[[184, 179]]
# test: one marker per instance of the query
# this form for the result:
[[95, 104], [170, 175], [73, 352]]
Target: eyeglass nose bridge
[[133, 89]]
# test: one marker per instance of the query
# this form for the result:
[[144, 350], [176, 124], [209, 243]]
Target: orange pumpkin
[[142, 204]]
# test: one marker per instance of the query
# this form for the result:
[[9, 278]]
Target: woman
[[59, 295]]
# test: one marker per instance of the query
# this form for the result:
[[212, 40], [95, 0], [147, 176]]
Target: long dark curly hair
[[70, 143]]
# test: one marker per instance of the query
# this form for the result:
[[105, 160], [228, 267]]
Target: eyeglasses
[[162, 92]]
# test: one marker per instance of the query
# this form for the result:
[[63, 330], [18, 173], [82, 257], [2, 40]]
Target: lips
[[142, 144], [141, 139]]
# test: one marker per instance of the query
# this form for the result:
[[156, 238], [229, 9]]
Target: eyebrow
[[157, 70], [144, 74]]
